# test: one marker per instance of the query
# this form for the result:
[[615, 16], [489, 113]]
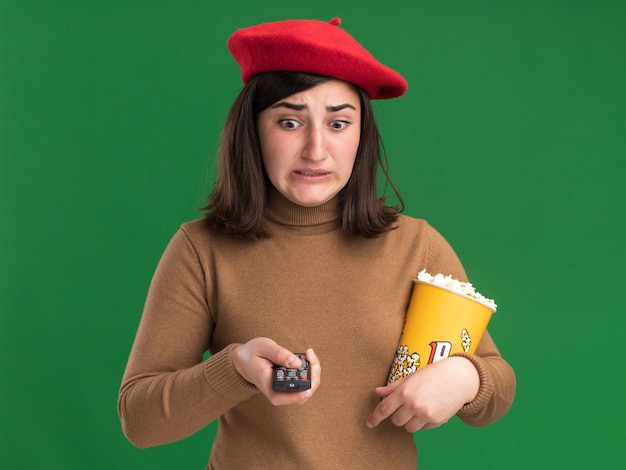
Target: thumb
[[283, 357]]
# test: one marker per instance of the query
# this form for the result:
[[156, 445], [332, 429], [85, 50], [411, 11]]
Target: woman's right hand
[[255, 361]]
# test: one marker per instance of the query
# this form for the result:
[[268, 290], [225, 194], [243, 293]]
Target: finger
[[387, 390], [415, 424], [432, 425], [407, 418], [312, 357], [384, 409], [316, 368]]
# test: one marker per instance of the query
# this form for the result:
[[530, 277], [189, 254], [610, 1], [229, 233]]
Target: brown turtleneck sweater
[[309, 285]]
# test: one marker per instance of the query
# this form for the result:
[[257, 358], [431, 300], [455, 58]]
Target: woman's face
[[309, 142]]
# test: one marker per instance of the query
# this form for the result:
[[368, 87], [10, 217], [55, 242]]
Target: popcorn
[[459, 287], [404, 363], [466, 340]]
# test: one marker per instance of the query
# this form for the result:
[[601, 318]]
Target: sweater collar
[[281, 210]]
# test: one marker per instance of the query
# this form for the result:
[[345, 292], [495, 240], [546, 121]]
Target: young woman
[[298, 253]]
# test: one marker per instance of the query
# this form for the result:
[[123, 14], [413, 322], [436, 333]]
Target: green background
[[510, 141]]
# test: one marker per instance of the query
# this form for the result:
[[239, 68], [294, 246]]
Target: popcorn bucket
[[439, 322]]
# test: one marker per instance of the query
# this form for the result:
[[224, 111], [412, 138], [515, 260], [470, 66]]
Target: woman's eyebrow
[[339, 107], [286, 104], [301, 107]]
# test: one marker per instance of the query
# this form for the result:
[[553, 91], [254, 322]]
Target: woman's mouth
[[311, 173]]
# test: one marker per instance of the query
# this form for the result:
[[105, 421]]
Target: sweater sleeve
[[168, 392], [497, 378], [497, 385]]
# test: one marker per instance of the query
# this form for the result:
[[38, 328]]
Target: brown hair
[[237, 201]]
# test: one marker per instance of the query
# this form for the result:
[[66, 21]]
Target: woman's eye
[[338, 125], [289, 123]]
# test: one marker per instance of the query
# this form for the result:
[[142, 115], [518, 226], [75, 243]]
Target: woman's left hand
[[429, 397]]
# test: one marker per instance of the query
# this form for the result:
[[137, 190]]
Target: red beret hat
[[315, 47]]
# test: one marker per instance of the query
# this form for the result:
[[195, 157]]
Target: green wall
[[510, 141]]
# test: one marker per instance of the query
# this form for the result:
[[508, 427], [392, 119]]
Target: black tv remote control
[[292, 380]]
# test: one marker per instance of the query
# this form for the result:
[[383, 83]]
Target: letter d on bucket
[[445, 316]]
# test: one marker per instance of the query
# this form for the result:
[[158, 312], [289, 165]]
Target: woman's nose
[[314, 148]]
